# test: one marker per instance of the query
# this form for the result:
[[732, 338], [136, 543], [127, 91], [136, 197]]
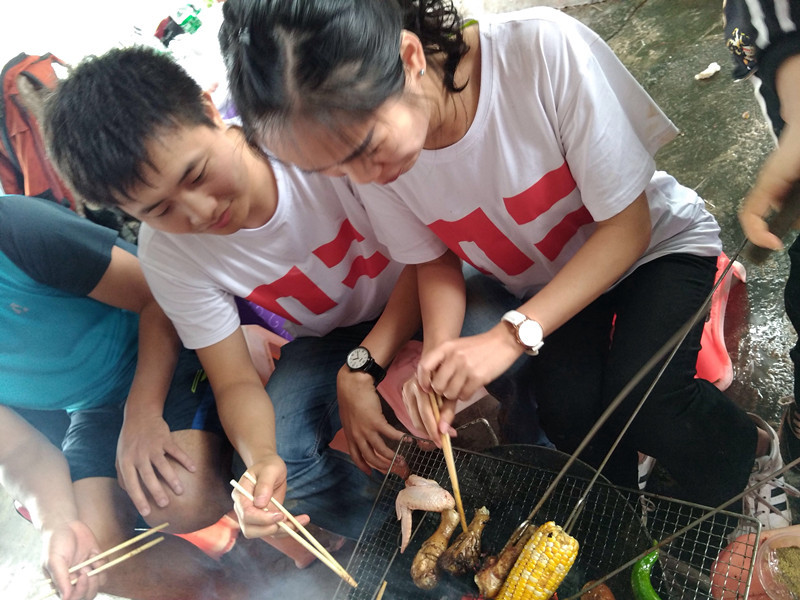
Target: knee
[[206, 493], [203, 502]]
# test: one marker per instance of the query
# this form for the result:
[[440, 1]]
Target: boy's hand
[[142, 450], [363, 421], [67, 545], [255, 522]]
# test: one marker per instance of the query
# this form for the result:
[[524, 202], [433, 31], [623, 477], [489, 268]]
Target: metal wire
[[593, 517], [614, 525]]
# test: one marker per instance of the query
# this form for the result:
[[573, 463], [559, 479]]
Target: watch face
[[358, 358], [530, 333]]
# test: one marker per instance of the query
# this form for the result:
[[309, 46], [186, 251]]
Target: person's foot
[[646, 464], [789, 433], [768, 502]]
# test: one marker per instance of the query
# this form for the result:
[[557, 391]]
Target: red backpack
[[24, 166]]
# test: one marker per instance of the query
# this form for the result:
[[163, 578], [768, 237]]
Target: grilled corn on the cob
[[542, 565]]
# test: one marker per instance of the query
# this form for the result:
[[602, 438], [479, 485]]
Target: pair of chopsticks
[[310, 543], [111, 551], [447, 448]]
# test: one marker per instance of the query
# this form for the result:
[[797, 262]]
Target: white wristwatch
[[527, 331]]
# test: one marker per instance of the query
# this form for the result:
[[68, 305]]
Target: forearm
[[442, 297], [244, 408], [786, 83], [399, 321], [609, 252], [248, 419], [781, 170], [37, 475], [159, 347]]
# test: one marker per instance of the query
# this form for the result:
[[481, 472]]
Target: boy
[[220, 220], [81, 333]]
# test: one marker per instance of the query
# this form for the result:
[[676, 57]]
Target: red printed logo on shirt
[[523, 208], [497, 247], [296, 284], [334, 251]]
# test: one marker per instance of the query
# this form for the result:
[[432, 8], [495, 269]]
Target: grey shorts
[[88, 438]]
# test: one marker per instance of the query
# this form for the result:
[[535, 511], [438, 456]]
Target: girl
[[524, 147], [221, 221]]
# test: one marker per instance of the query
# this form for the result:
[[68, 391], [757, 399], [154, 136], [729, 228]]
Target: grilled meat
[[423, 570], [419, 494], [601, 592], [465, 553], [496, 568]]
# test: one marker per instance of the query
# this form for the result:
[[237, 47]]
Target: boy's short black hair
[[99, 120]]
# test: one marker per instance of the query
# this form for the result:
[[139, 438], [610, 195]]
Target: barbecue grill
[[615, 525]]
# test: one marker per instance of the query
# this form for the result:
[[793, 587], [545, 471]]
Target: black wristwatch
[[359, 359]]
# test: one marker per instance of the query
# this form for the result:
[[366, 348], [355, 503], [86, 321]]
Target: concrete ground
[[723, 141]]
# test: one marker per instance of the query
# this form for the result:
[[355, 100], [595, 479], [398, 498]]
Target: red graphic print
[[334, 251], [296, 284], [371, 267], [524, 208], [497, 247], [553, 243], [541, 196]]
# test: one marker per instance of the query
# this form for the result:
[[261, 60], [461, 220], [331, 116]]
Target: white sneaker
[[768, 503], [646, 464]]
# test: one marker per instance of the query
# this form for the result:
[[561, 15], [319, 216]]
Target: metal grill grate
[[615, 525]]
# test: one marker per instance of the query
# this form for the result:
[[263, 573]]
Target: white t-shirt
[[315, 262], [563, 136]]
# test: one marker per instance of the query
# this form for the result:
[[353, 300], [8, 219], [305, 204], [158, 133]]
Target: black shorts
[[88, 438]]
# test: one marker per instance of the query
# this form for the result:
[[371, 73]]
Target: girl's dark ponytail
[[439, 27]]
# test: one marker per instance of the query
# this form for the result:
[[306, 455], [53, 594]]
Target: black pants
[[698, 434]]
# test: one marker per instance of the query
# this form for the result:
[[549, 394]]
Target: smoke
[[272, 575]]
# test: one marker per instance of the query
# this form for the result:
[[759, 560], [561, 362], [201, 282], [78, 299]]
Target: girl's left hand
[[457, 368]]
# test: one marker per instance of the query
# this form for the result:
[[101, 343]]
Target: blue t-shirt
[[59, 349]]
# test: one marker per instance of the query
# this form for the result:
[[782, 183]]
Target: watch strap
[[371, 367], [516, 319], [374, 369]]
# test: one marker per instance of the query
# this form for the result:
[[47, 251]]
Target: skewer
[[311, 544], [117, 560], [675, 535], [668, 350], [447, 448]]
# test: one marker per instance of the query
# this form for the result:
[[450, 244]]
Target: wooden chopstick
[[124, 557], [311, 544], [305, 532], [117, 560], [381, 590], [447, 448], [118, 547]]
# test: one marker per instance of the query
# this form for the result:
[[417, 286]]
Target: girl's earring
[[421, 72]]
